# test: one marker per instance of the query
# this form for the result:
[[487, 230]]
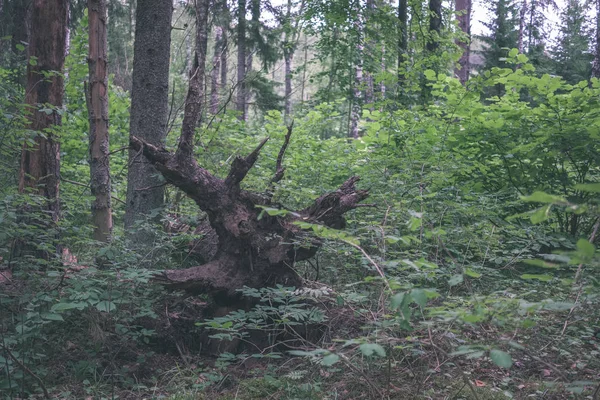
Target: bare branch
[[329, 209], [241, 166], [279, 168]]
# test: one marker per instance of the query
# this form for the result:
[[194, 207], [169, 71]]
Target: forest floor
[[423, 364]]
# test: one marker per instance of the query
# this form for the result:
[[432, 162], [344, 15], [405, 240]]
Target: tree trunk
[[214, 76], [253, 248], [435, 25], [596, 62], [40, 163], [463, 14], [149, 108], [224, 63], [369, 55], [97, 102], [288, 59], [383, 69], [402, 41], [522, 14], [194, 104], [356, 105], [302, 96], [241, 61]]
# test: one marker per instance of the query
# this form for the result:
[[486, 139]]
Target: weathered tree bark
[[241, 61], [252, 249], [149, 107], [596, 62], [435, 25], [97, 105], [40, 163], [402, 41], [463, 14], [214, 75]]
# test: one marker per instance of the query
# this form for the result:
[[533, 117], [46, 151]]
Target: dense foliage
[[472, 273]]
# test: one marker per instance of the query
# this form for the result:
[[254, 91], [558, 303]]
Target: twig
[[88, 185], [118, 150], [357, 371], [152, 187], [27, 370], [377, 267], [538, 359], [463, 374]]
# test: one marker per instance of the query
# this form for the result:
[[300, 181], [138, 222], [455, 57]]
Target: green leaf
[[501, 358], [419, 296], [541, 214], [585, 248], [67, 306], [588, 187], [430, 75], [368, 349], [543, 278], [456, 280], [397, 300], [475, 354], [472, 274], [513, 52], [330, 359], [52, 316], [541, 197], [106, 306], [522, 58]]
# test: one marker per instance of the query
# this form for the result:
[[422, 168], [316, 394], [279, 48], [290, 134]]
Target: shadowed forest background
[[299, 199]]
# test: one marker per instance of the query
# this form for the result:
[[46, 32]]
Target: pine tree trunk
[[402, 41], [223, 85], [40, 163], [302, 96], [149, 108], [383, 69], [522, 15], [368, 72], [435, 25], [241, 61], [214, 76], [194, 102], [97, 104], [463, 14], [596, 62]]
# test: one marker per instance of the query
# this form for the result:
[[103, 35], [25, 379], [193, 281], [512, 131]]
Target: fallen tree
[[241, 248], [250, 251]]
